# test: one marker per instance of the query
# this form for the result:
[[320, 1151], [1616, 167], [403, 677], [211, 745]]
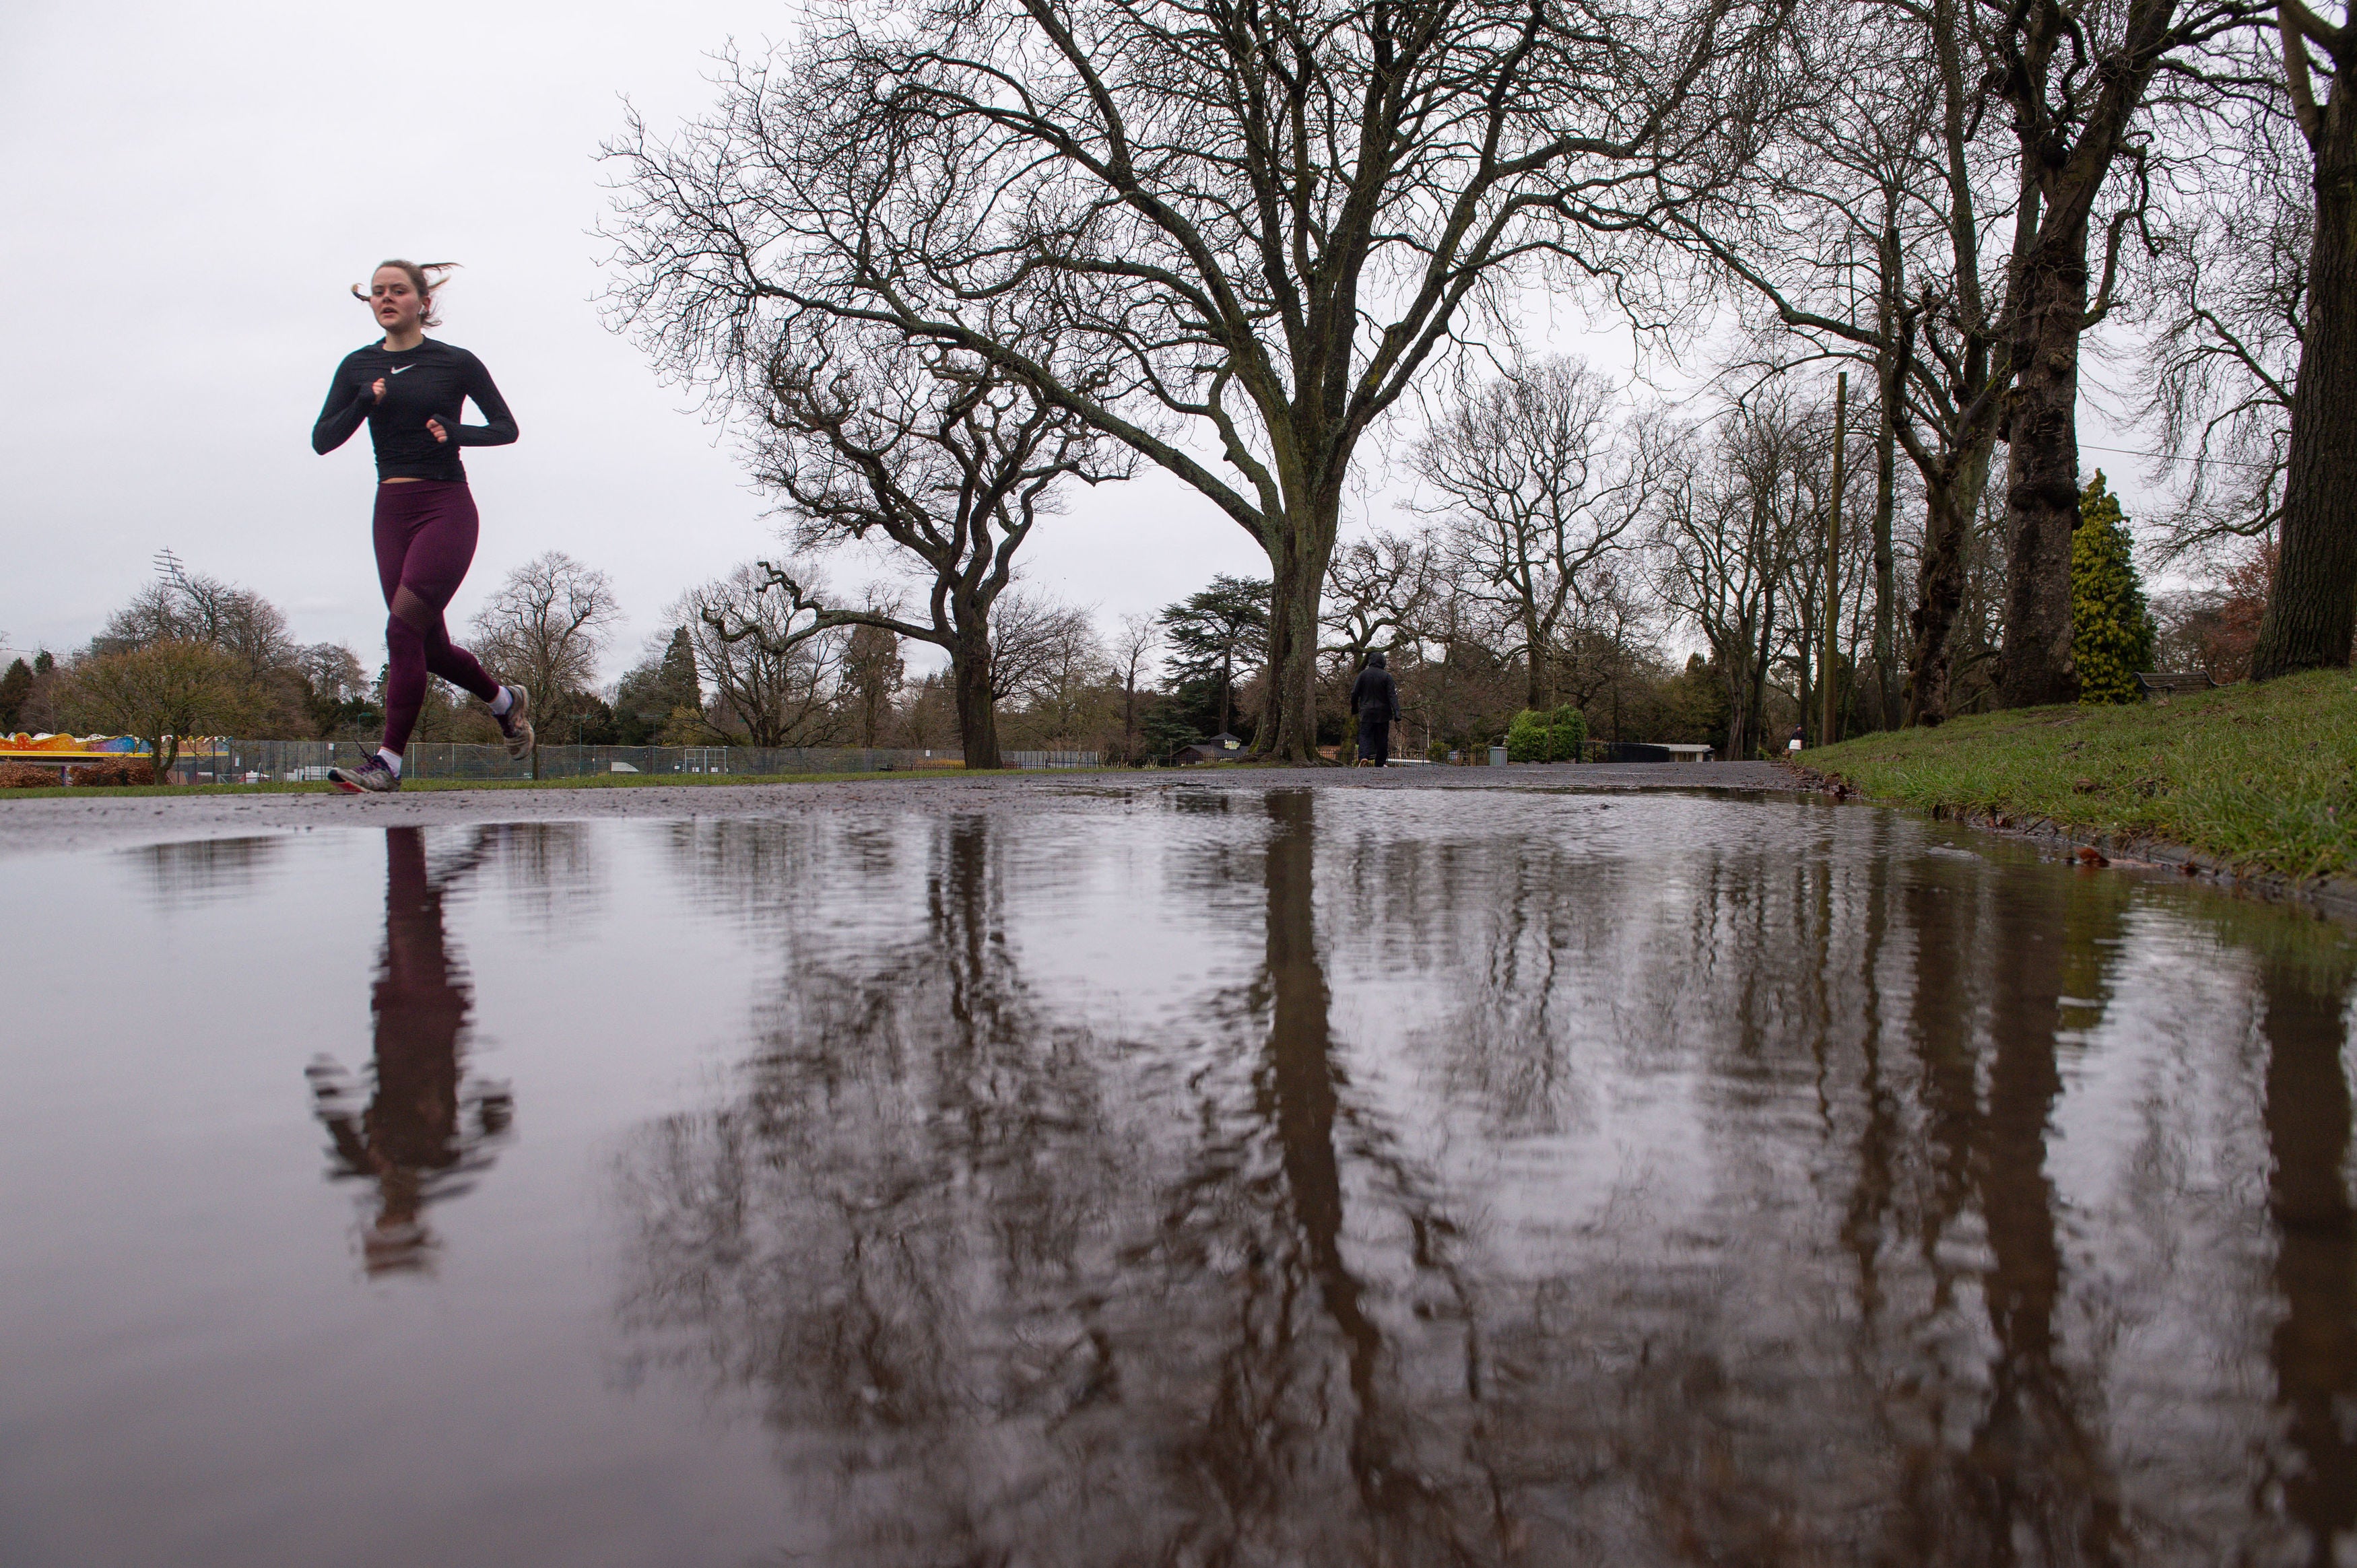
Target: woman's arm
[[346, 410], [499, 427]]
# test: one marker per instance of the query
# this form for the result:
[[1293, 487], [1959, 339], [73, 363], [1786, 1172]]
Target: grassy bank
[[2262, 777], [590, 781]]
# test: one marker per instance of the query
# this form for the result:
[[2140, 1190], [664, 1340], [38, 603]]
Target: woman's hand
[[436, 426], [376, 390]]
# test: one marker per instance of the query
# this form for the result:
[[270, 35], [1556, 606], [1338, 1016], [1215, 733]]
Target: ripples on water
[[1219, 1176]]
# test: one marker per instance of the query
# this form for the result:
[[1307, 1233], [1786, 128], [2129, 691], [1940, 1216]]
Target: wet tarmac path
[[1234, 1174]]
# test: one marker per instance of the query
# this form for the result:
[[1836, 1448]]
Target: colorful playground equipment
[[15, 747], [64, 751]]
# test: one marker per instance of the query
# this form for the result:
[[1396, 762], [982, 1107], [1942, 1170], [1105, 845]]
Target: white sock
[[391, 759], [503, 701]]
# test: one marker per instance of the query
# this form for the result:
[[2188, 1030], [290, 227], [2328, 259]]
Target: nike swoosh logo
[[398, 368]]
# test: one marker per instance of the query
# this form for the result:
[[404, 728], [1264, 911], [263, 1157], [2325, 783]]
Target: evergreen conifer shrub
[[2111, 628], [15, 686]]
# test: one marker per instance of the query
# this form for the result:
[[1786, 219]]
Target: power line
[[2173, 458]]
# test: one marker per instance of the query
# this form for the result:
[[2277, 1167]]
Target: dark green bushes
[[1557, 737]]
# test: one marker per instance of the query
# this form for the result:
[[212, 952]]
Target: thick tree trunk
[[1804, 675], [2042, 488], [1756, 718], [2314, 1347], [1298, 559], [2309, 609], [1540, 688], [1950, 509], [1939, 595], [1886, 589], [978, 714], [1735, 670]]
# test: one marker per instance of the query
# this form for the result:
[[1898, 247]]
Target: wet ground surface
[[55, 822], [1212, 1174]]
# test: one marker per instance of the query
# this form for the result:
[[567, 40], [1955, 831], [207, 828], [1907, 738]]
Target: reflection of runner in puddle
[[425, 1128]]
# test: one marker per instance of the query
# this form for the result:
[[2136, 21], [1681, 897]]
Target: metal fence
[[265, 761]]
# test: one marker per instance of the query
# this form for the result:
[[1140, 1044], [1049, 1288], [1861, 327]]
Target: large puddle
[[1186, 1178]]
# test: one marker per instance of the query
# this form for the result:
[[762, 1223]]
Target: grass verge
[[2260, 776], [588, 781]]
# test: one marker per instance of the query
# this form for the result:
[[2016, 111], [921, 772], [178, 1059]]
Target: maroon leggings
[[425, 539]]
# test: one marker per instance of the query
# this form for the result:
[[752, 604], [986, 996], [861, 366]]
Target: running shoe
[[514, 726], [371, 776]]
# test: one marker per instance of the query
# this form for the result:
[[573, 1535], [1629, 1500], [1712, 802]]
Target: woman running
[[410, 389]]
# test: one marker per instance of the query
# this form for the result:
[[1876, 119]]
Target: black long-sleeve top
[[429, 381], [1375, 695]]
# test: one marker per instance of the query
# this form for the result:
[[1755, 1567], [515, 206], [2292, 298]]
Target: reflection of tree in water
[[1008, 1291], [1011, 1292], [1337, 1339], [1506, 1034], [204, 869], [2314, 1347], [549, 874], [884, 1239], [1998, 1330], [1986, 1442], [425, 1128], [2034, 1482], [1762, 1348]]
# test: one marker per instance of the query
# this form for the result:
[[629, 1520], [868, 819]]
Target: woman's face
[[395, 300]]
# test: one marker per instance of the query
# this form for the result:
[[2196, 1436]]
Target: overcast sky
[[188, 191]]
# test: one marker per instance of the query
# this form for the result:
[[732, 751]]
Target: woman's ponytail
[[426, 287]]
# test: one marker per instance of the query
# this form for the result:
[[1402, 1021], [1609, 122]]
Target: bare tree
[[333, 672], [163, 692], [1865, 229], [771, 682], [1255, 229], [1541, 490], [336, 685], [1045, 649], [1800, 639], [2310, 608], [546, 626], [2228, 309], [181, 606], [192, 606], [1871, 231], [1607, 649], [2075, 79], [872, 671], [1132, 651], [1727, 532], [935, 455], [1379, 589]]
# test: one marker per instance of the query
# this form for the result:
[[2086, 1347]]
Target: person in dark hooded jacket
[[1375, 700]]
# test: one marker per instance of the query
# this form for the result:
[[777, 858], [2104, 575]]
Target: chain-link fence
[[272, 761]]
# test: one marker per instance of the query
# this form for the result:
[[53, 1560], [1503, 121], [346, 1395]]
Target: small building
[[1220, 747]]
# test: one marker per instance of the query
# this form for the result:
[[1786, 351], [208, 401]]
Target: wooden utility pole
[[1828, 685]]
